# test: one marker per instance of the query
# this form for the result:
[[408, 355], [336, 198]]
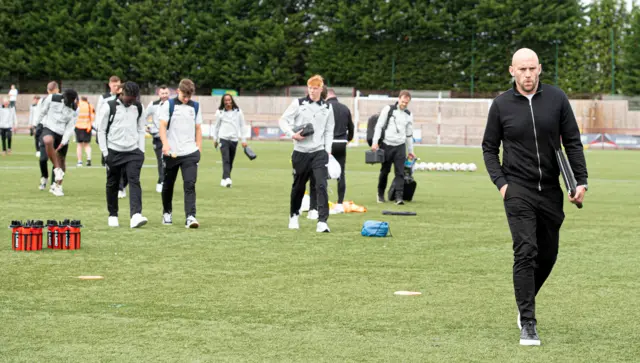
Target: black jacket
[[343, 129], [530, 132]]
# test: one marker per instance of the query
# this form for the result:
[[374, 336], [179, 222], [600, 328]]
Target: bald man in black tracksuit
[[531, 120]]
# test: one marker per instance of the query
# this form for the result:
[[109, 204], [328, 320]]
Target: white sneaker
[[223, 182], [293, 222], [306, 201], [113, 222], [37, 154], [192, 222], [167, 219], [159, 188], [52, 187], [43, 184], [59, 174], [122, 194], [313, 214], [138, 221], [79, 164], [338, 208], [58, 191], [228, 180], [322, 227]]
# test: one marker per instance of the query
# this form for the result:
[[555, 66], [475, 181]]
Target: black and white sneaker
[[167, 220], [381, 199], [399, 202], [529, 333]]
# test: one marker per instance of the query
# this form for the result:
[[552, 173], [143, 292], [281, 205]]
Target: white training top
[[126, 132], [8, 117], [13, 95], [229, 125], [153, 110], [182, 129]]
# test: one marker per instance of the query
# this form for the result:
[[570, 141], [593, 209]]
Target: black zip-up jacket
[[343, 129], [530, 131]]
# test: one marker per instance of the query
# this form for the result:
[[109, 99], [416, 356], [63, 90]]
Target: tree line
[[464, 46]]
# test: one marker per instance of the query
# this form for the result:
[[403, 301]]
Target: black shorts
[[82, 135], [57, 139]]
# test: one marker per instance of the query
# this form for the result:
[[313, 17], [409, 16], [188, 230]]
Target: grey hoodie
[[57, 117], [152, 110], [8, 117], [126, 132], [229, 125], [302, 111], [399, 130]]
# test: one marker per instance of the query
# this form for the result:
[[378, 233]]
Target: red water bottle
[[73, 235], [52, 235], [36, 234], [26, 236], [16, 236], [63, 234]]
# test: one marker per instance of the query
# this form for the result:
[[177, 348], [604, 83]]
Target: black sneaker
[[399, 202], [381, 199], [88, 162], [529, 333]]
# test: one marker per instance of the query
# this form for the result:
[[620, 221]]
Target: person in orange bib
[[86, 115]]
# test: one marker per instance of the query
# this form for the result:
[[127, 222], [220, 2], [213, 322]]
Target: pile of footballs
[[430, 166]]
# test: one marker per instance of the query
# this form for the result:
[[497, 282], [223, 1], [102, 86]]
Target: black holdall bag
[[307, 129], [407, 192], [250, 154], [409, 186], [374, 157]]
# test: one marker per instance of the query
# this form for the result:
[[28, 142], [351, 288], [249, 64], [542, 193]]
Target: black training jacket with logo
[[530, 131]]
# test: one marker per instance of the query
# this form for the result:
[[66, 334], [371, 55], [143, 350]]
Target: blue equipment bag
[[376, 229]]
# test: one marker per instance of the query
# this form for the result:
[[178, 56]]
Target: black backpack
[[371, 126]]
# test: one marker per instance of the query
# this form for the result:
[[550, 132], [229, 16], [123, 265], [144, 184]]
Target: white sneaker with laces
[[293, 222], [223, 183], [122, 194], [228, 180], [113, 221], [43, 184], [167, 219], [338, 208], [58, 191], [313, 214], [138, 221], [52, 187], [59, 174], [322, 227], [159, 188], [192, 222]]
